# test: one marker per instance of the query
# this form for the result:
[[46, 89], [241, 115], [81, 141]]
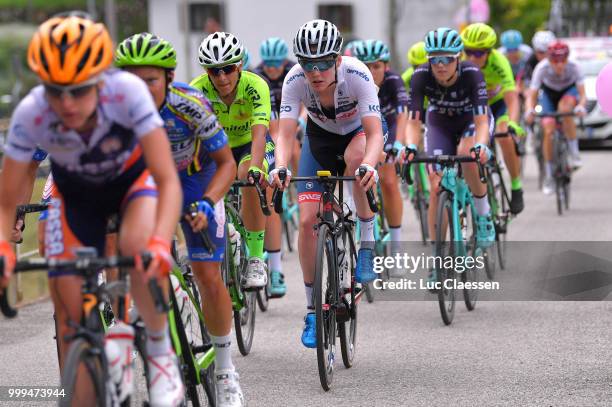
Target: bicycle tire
[[471, 275], [421, 206], [495, 193], [348, 337], [244, 317], [502, 237], [263, 298], [325, 295], [81, 351], [5, 307], [445, 247]]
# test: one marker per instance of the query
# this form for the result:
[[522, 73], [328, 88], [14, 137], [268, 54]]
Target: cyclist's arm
[[284, 144], [258, 144], [30, 181], [156, 149], [481, 122], [416, 101], [530, 100], [582, 100], [224, 175], [512, 102], [509, 88], [13, 184], [401, 107], [413, 131], [372, 127], [260, 121]]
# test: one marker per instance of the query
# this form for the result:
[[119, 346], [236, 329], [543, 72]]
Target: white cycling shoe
[[166, 387], [257, 273], [227, 389]]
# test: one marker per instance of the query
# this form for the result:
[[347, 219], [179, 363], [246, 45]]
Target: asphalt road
[[538, 353]]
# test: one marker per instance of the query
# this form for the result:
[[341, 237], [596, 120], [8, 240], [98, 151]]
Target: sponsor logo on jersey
[[309, 197], [294, 77], [189, 110], [361, 74], [285, 109], [254, 95]]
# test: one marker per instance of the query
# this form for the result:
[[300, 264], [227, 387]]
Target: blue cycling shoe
[[485, 231], [309, 335], [278, 288], [365, 266]]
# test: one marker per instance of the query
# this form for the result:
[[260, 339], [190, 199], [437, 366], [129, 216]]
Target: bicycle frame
[[461, 196]]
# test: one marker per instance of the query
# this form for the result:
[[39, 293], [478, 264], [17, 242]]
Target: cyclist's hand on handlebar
[[580, 111], [529, 116], [516, 128], [370, 178], [256, 174], [274, 180], [17, 232], [204, 215], [161, 259], [482, 152], [8, 256], [409, 152]]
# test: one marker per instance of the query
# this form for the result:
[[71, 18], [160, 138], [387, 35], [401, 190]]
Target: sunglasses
[[274, 63], [74, 91], [476, 52], [320, 65], [227, 69], [442, 59]]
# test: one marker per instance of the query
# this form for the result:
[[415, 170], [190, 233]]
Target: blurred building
[[398, 22]]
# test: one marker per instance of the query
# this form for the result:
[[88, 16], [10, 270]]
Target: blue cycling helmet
[[273, 49], [371, 51], [246, 59], [511, 39], [443, 39]]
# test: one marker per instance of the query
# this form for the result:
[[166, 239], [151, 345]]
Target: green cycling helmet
[[479, 36], [417, 54], [145, 49]]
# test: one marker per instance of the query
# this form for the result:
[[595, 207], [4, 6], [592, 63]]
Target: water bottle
[[118, 345], [234, 238], [183, 302]]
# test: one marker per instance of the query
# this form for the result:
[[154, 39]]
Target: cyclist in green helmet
[[206, 169]]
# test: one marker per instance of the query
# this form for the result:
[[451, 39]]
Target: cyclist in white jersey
[[344, 131], [561, 83], [109, 155]]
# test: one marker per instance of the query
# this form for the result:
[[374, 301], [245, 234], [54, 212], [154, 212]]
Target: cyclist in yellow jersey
[[479, 40], [241, 101]]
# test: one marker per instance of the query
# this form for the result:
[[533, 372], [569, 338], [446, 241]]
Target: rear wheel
[[445, 248], [325, 295], [83, 368]]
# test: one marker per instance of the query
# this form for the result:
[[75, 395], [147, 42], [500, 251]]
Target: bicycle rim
[[244, 318], [85, 365], [444, 248], [347, 331], [325, 295]]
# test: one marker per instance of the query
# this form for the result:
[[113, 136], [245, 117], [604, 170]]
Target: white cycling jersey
[[126, 112], [356, 96], [545, 75]]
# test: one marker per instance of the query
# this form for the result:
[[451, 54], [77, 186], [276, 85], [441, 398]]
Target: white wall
[[255, 20]]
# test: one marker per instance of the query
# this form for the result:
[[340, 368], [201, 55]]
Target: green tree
[[527, 16]]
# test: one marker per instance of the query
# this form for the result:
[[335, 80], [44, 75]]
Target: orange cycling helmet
[[69, 50]]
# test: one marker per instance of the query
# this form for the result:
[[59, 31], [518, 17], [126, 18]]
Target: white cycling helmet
[[317, 39], [542, 39], [220, 48]]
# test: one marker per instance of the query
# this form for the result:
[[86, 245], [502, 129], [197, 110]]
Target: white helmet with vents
[[220, 48]]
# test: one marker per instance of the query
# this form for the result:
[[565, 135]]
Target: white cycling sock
[[549, 169], [482, 205], [573, 146], [395, 233], [158, 342], [275, 260], [367, 229], [223, 351], [309, 299]]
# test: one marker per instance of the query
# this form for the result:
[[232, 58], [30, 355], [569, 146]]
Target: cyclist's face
[[274, 72], [155, 78], [74, 110], [514, 56], [558, 65], [224, 82], [378, 69], [444, 72], [321, 80]]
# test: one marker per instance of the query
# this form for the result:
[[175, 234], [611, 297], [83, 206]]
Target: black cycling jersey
[[276, 86], [393, 100]]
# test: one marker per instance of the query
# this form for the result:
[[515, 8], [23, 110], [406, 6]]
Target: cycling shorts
[[243, 153], [194, 187], [73, 223]]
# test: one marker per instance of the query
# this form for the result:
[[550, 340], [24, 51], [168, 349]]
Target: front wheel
[[326, 297], [347, 330], [83, 368], [444, 249], [470, 274]]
